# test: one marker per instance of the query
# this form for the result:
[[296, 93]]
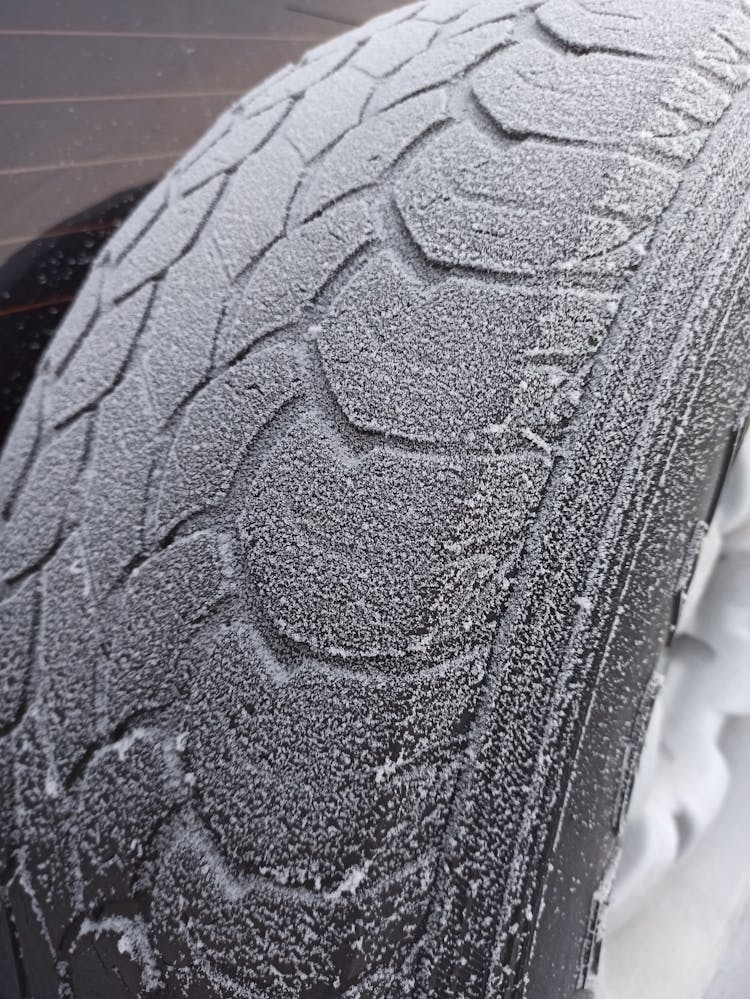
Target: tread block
[[455, 361], [164, 241], [197, 901], [102, 357], [727, 50], [124, 450], [296, 81], [388, 50], [146, 213], [258, 193], [318, 793], [183, 327], [17, 636], [40, 510], [387, 19], [440, 63], [77, 322], [206, 143], [482, 12], [532, 208], [364, 153], [216, 432], [240, 138], [443, 11], [567, 179], [293, 272], [327, 111], [714, 37], [165, 599], [603, 99], [112, 957], [69, 651], [127, 793], [636, 27], [384, 554], [340, 46], [323, 943]]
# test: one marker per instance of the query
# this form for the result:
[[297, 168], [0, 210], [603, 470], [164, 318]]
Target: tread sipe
[[344, 521]]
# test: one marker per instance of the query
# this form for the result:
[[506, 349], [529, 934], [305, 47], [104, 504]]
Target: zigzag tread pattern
[[264, 507]]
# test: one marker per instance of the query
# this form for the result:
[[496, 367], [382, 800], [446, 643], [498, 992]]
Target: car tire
[[351, 506]]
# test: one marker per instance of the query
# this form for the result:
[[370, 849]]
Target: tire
[[349, 511]]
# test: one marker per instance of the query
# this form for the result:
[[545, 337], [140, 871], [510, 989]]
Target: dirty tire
[[350, 510]]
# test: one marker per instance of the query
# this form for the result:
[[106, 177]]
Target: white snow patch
[[388, 768], [354, 878], [132, 940], [122, 746]]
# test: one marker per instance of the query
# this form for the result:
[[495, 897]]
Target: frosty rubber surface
[[342, 522], [684, 833]]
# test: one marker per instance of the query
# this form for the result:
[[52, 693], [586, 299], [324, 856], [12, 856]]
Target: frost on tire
[[340, 527]]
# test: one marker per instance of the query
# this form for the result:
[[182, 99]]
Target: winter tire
[[351, 508]]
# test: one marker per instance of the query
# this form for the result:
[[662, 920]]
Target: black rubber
[[344, 520]]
